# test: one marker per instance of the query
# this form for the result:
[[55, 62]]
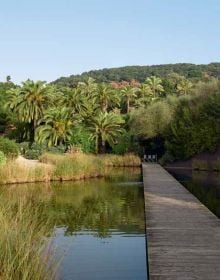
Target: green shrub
[[9, 148], [81, 139], [166, 158], [2, 158], [35, 150], [23, 147], [2, 128], [57, 150], [126, 143]]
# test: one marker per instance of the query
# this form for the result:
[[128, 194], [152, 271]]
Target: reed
[[64, 167], [200, 164], [78, 166], [215, 165], [24, 250], [127, 160], [14, 172]]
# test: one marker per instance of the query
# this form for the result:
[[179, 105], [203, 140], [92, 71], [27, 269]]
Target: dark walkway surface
[[183, 235]]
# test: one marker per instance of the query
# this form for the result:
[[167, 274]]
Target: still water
[[98, 226], [204, 185]]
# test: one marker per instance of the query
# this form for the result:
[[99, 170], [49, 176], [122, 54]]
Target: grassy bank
[[204, 165], [65, 167], [24, 253]]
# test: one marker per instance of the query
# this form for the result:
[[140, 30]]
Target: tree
[[8, 79], [105, 128], [28, 102], [76, 101], [155, 85], [106, 95], [184, 86], [56, 127], [88, 87], [129, 93], [145, 93]]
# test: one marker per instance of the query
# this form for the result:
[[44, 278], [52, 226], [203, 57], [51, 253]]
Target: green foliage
[[81, 138], [28, 103], [22, 232], [166, 158], [151, 121], [126, 143], [105, 128], [9, 148], [35, 150], [195, 128], [171, 106], [56, 128], [3, 158], [140, 73]]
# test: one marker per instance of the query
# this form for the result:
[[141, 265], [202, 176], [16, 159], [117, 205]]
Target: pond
[[98, 226], [204, 185]]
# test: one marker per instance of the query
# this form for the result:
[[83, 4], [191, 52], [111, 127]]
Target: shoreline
[[60, 168]]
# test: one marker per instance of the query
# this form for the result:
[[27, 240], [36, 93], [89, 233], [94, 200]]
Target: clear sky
[[46, 39]]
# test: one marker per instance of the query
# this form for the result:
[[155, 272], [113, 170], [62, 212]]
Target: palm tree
[[28, 102], [155, 85], [184, 86], [129, 93], [105, 128], [88, 87], [74, 100], [56, 127], [106, 95], [145, 94]]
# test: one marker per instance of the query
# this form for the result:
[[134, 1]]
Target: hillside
[[139, 73]]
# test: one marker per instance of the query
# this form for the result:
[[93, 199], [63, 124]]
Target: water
[[98, 226], [204, 185]]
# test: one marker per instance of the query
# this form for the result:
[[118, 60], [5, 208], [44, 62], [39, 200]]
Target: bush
[[126, 143], [2, 158], [166, 158], [9, 148], [81, 139], [35, 150], [2, 128]]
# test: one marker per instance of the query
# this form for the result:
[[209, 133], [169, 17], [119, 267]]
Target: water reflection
[[204, 185], [98, 225]]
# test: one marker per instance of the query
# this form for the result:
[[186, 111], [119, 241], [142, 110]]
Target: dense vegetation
[[172, 115], [172, 111], [139, 73]]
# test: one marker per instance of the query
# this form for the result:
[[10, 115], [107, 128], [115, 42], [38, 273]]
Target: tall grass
[[78, 166], [127, 160], [204, 165], [215, 165], [64, 167], [24, 253], [14, 172], [198, 164]]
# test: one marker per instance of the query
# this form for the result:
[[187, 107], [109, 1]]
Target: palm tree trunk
[[97, 142], [128, 105]]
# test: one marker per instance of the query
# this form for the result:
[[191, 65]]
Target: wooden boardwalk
[[183, 235]]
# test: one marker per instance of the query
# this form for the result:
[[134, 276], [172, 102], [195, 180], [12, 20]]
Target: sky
[[46, 39]]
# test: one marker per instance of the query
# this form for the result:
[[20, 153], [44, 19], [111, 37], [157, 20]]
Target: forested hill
[[139, 73]]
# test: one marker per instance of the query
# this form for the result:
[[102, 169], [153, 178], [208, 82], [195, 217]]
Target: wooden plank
[[183, 236]]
